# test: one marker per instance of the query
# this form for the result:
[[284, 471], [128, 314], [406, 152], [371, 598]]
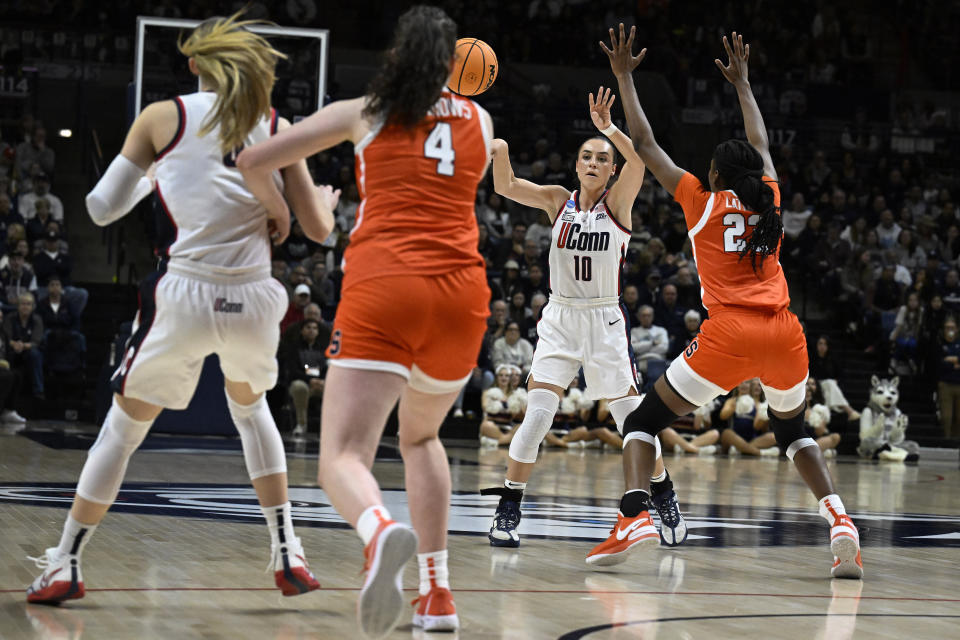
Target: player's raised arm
[[735, 71], [545, 197], [624, 191], [623, 62]]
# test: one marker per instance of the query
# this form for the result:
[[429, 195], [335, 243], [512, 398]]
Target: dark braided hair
[[415, 67], [741, 168]]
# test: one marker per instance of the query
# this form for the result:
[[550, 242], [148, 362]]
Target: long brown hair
[[240, 67]]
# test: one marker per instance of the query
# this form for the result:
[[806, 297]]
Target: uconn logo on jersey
[[571, 238], [221, 305]]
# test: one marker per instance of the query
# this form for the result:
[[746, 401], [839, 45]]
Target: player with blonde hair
[[212, 291]]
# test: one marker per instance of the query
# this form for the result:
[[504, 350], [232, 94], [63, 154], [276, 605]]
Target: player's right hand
[[329, 197]]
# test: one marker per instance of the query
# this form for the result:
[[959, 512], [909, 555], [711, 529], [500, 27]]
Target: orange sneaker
[[436, 611], [626, 534], [845, 545], [381, 598]]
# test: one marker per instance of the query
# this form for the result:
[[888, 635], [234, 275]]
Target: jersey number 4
[[733, 233], [439, 146]]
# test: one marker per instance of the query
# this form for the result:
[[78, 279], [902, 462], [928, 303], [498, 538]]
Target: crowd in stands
[[42, 311]]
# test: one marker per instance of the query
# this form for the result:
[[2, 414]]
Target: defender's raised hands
[[736, 69], [600, 108], [620, 52]]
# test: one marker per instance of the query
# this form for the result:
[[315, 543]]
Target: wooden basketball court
[[182, 554]]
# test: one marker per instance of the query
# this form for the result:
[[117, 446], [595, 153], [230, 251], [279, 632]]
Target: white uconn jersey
[[587, 251], [213, 221]]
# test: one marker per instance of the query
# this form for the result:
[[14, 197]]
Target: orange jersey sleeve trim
[[692, 197]]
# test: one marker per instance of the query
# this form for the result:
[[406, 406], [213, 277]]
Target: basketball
[[475, 68]]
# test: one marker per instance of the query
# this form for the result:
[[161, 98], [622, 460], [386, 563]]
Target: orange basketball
[[475, 68]]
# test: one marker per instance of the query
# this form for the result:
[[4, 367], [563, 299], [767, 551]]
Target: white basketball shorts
[[182, 319], [576, 333]]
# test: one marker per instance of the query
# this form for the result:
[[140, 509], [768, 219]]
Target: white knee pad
[[107, 459], [542, 405], [262, 445], [621, 408]]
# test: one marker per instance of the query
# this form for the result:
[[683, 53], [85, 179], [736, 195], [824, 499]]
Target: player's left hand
[[738, 55], [600, 108], [620, 52], [329, 197]]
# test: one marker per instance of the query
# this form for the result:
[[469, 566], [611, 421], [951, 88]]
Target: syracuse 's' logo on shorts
[[691, 349], [335, 342]]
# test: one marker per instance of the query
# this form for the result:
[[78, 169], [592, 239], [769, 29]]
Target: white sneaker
[[299, 431], [381, 599], [733, 451], [488, 443], [68, 584], [708, 450], [290, 570], [12, 417], [770, 452], [678, 450], [830, 453]]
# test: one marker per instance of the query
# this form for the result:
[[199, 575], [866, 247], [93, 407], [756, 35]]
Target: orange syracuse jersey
[[718, 226], [417, 190]]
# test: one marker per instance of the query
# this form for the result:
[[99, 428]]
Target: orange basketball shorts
[[428, 329], [737, 344]]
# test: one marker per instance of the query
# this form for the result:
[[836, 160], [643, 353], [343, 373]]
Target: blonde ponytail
[[239, 66]]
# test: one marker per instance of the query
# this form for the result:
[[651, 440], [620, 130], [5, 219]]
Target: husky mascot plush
[[883, 426]]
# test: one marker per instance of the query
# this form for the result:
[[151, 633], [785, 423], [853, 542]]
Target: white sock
[[510, 484], [369, 521], [433, 571], [75, 537], [831, 507], [659, 478], [280, 523]]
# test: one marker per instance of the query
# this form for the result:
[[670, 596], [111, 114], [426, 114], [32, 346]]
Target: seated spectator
[[35, 153], [825, 368], [301, 298], [703, 442], [493, 216], [16, 279], [10, 381], [54, 261], [746, 413], [55, 313], [511, 248], [535, 283], [305, 367], [906, 335], [510, 281], [504, 405], [7, 215], [649, 341], [949, 291], [691, 327], [41, 191], [512, 349], [816, 420], [795, 216], [855, 233], [37, 225], [322, 288], [688, 288], [888, 230], [24, 329], [948, 381], [519, 311], [540, 232], [536, 308], [532, 255], [291, 335], [668, 313]]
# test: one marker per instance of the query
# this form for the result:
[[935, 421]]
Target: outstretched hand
[[738, 55], [620, 51], [600, 108]]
